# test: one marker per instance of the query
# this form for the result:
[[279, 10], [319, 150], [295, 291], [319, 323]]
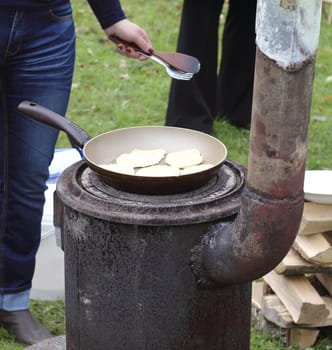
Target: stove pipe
[[272, 202]]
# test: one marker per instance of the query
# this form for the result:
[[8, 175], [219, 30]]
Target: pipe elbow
[[243, 250]]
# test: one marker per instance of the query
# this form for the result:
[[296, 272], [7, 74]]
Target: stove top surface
[[89, 192], [228, 180]]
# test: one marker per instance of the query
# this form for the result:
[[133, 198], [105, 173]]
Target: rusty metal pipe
[[272, 201]]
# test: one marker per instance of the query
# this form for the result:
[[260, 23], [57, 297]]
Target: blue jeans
[[37, 52]]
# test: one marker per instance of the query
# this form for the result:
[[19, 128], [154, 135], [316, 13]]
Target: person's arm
[[113, 21]]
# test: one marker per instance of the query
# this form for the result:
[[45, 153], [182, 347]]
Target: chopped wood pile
[[294, 301]]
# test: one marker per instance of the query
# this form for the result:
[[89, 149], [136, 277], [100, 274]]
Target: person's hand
[[131, 33]]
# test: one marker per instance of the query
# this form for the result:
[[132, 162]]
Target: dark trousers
[[195, 103]]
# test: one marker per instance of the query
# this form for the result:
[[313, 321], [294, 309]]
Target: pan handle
[[48, 117]]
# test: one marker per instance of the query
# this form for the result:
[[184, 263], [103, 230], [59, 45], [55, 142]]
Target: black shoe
[[25, 328]]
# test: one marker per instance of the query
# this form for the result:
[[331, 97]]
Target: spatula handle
[[117, 41], [177, 60]]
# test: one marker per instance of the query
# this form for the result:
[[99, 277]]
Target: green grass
[[110, 92]]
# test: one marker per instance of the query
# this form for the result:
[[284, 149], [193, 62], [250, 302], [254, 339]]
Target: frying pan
[[106, 147]]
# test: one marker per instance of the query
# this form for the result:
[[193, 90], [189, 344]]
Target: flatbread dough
[[147, 163], [124, 160], [119, 168], [144, 158], [184, 159], [159, 171], [195, 169], [141, 158]]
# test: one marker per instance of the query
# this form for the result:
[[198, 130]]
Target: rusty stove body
[[129, 283], [174, 272]]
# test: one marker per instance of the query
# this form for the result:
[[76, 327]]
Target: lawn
[[110, 91]]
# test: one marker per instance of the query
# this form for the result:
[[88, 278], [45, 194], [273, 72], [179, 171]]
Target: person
[[37, 49], [196, 103]]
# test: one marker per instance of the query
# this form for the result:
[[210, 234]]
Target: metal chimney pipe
[[272, 201]]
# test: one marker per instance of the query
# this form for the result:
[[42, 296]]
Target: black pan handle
[[48, 117]]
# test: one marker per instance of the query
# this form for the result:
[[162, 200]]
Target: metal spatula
[[178, 65]]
